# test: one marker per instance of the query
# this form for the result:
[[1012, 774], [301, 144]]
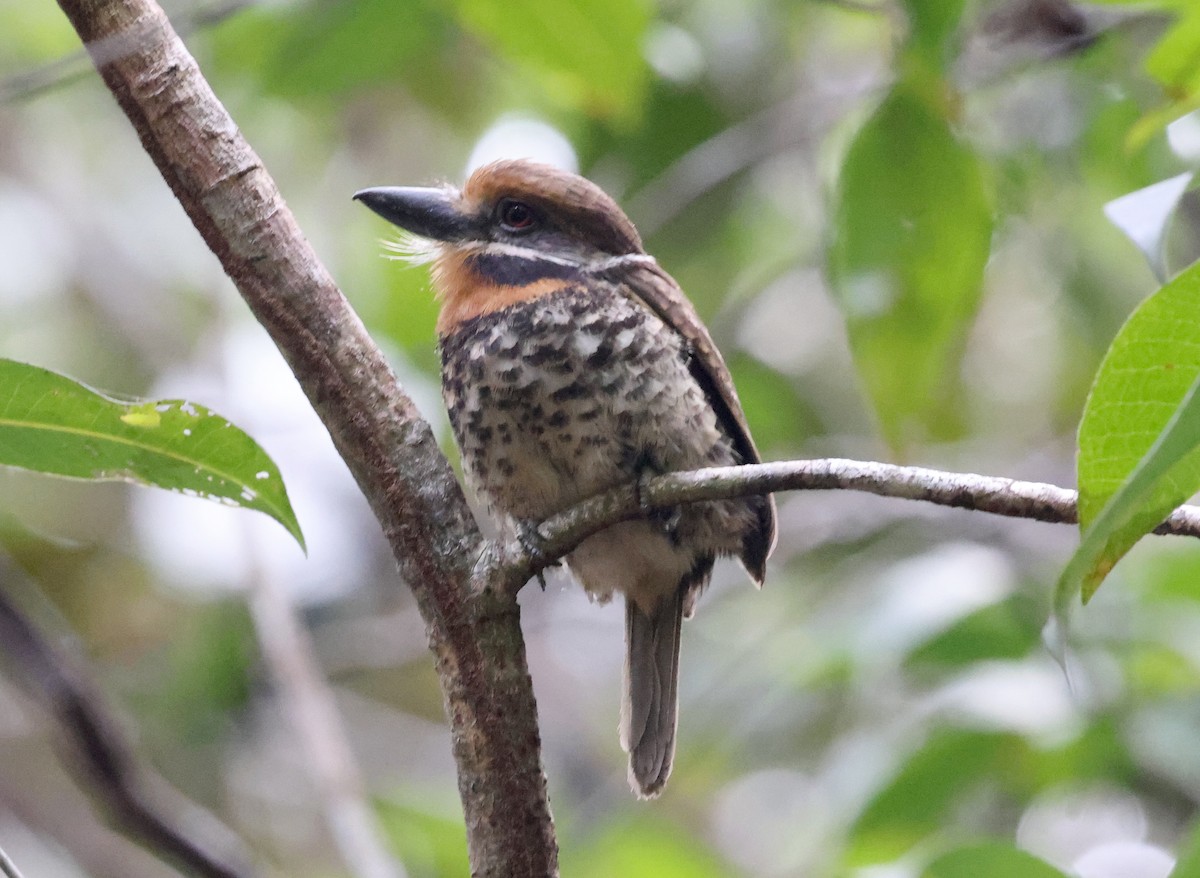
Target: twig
[[744, 144], [69, 68], [8, 867], [288, 651], [137, 799], [992, 494]]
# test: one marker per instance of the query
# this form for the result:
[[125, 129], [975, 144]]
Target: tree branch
[[7, 867], [236, 207], [144, 805], [512, 566], [288, 651]]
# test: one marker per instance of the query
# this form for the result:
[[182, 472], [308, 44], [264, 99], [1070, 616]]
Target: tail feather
[[650, 704]]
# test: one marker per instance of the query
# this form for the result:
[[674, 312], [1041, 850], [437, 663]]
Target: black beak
[[430, 213]]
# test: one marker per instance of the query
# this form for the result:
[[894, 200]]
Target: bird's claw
[[532, 542], [667, 518]]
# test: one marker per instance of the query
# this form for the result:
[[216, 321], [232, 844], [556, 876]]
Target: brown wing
[[658, 290]]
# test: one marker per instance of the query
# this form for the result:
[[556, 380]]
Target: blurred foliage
[[299, 53], [920, 800], [1188, 864], [585, 53], [211, 662], [913, 231], [890, 213], [641, 846], [428, 844], [1175, 61], [1005, 630], [988, 861]]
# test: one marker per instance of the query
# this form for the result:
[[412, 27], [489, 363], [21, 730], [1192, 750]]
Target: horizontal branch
[[999, 496]]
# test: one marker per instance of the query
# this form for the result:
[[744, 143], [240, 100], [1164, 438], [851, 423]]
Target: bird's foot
[[666, 518], [532, 542]]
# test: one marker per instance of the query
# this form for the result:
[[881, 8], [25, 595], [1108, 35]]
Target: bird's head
[[516, 230], [517, 204]]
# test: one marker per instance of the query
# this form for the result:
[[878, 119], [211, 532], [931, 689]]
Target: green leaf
[[425, 831], [33, 34], [315, 49], [989, 860], [205, 671], [915, 804], [1188, 864], [777, 412], [1006, 630], [1100, 753], [51, 424], [913, 231], [930, 27], [1138, 436], [646, 846], [1175, 60], [587, 53]]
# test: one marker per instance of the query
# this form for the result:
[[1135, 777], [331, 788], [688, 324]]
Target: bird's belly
[[532, 454], [636, 558], [554, 401]]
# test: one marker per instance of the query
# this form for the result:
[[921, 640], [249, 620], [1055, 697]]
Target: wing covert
[[647, 282]]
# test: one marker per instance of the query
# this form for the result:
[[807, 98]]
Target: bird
[[571, 364]]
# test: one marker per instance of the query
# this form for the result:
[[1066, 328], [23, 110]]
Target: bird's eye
[[516, 216]]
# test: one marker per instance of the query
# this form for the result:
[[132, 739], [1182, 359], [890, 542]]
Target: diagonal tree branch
[[143, 804], [234, 204], [287, 649], [511, 565], [7, 867]]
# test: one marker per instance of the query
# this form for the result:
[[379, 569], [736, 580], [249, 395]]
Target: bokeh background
[[888, 695]]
